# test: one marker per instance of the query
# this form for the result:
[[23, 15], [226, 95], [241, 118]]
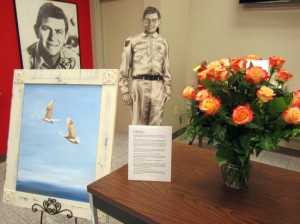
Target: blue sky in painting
[[47, 157]]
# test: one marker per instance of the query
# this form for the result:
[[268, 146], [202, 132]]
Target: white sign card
[[149, 153], [264, 64]]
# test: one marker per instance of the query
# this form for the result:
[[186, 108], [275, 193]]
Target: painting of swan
[[56, 154], [48, 115], [72, 133]]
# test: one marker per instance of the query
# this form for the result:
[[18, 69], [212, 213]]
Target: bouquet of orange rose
[[241, 108]]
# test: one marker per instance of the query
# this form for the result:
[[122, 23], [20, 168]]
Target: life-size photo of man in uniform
[[145, 63]]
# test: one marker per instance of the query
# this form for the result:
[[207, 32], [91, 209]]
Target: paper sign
[[149, 153], [264, 64]]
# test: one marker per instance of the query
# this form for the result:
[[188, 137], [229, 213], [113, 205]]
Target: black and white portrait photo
[[48, 34]]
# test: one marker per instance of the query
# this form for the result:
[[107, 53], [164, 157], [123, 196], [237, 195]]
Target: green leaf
[[207, 83], [267, 142], [288, 97], [220, 133], [255, 124], [277, 105], [223, 156], [245, 141], [232, 79], [243, 160], [237, 148]]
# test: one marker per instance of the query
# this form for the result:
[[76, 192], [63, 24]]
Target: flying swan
[[48, 116], [72, 133]]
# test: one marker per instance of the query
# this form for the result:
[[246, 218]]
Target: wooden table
[[197, 194]]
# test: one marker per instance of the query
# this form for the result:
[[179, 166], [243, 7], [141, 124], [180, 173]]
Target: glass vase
[[236, 175]]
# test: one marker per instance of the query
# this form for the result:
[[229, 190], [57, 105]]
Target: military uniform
[[146, 59], [32, 59]]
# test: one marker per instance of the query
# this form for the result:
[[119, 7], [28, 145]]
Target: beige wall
[[198, 30], [227, 29], [175, 27], [121, 19]]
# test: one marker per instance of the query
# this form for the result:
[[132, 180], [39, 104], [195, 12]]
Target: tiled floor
[[16, 215]]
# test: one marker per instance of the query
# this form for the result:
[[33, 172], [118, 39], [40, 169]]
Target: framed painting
[[60, 137], [48, 34]]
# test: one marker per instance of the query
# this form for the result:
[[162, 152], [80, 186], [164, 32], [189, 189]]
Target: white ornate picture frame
[[60, 137]]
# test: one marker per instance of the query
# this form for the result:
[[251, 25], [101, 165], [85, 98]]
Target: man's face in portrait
[[52, 35], [151, 22]]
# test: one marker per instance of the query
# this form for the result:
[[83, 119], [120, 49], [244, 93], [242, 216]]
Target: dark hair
[[50, 10], [151, 10]]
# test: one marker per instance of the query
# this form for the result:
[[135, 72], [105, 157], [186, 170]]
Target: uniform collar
[[62, 63], [38, 60], [155, 35]]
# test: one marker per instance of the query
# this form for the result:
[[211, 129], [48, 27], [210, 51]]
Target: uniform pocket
[[160, 49]]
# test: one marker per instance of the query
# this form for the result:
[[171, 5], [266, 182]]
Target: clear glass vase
[[236, 176]]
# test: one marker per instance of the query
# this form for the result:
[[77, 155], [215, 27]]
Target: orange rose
[[291, 115], [210, 105], [202, 75], [253, 57], [189, 92], [265, 94], [225, 62], [214, 64], [276, 62], [202, 94], [212, 67], [217, 70], [296, 98], [242, 115], [221, 74], [283, 76], [239, 64], [255, 74]]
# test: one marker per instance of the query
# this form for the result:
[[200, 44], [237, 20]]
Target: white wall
[[198, 30]]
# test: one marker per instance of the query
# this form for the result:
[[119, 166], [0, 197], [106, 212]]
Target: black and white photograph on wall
[[48, 34]]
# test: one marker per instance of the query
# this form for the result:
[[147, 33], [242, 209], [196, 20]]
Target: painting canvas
[[40, 37], [58, 167], [60, 136]]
